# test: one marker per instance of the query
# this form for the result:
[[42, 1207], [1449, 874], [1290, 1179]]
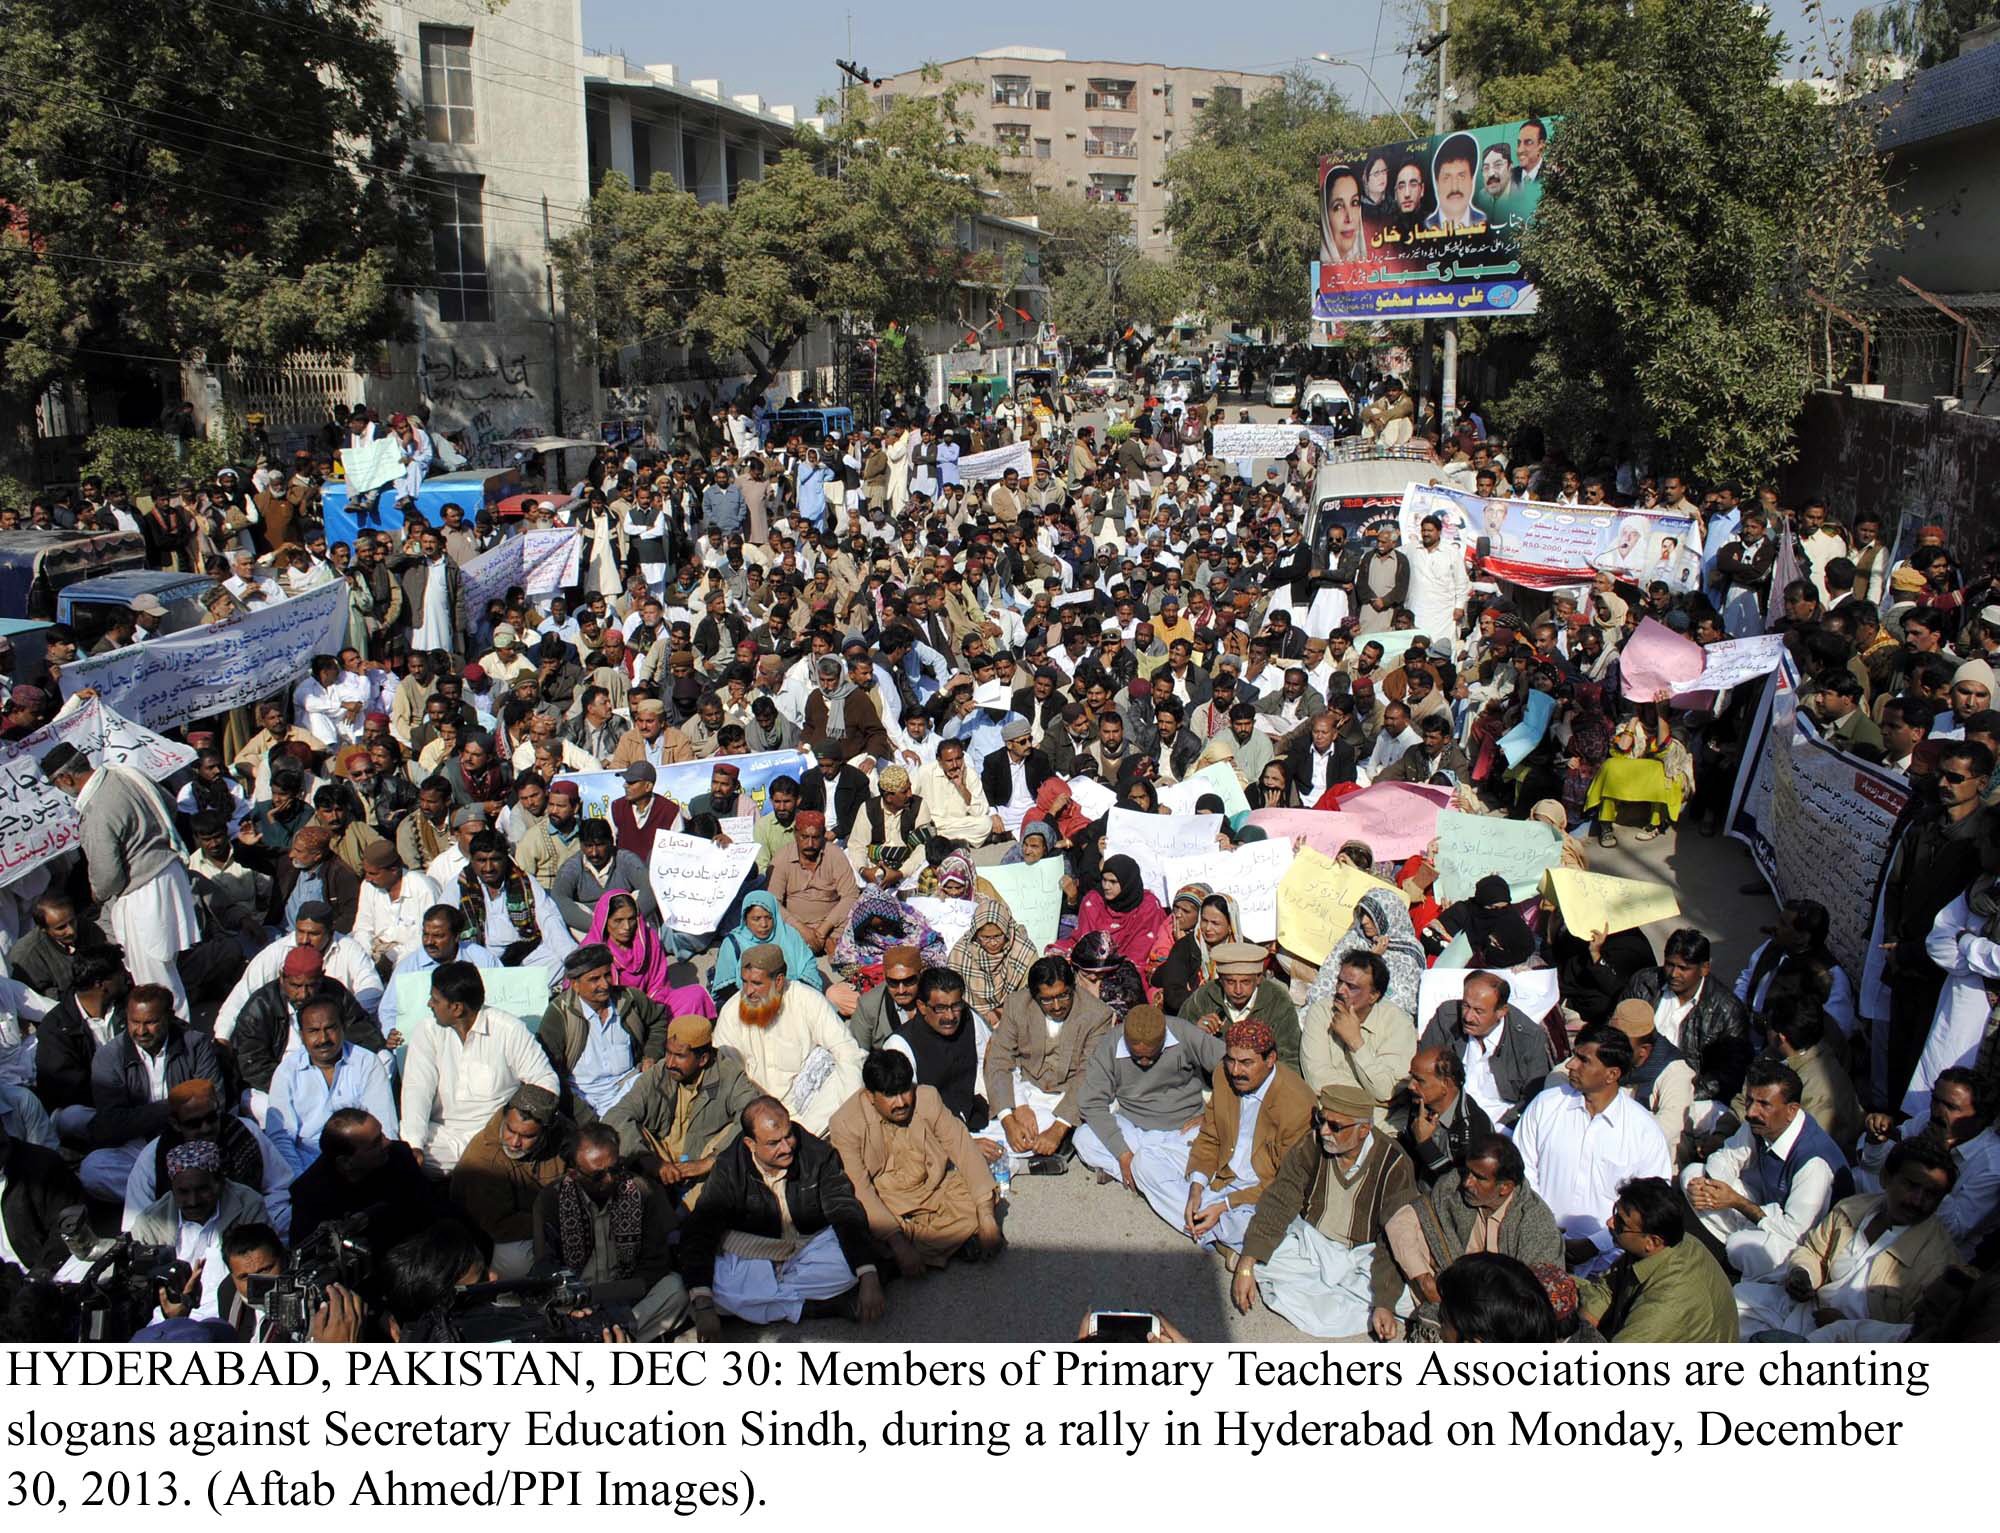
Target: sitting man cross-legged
[[1258, 1109]]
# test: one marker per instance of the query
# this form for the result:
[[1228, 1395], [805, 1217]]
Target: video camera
[[547, 1309], [336, 1253], [117, 1294]]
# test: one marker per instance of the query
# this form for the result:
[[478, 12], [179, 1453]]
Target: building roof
[[614, 70], [1025, 55], [1941, 101]]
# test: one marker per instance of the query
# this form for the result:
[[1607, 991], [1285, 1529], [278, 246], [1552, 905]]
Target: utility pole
[[1448, 391], [555, 328]]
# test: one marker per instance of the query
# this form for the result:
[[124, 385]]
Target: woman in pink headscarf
[[639, 960]]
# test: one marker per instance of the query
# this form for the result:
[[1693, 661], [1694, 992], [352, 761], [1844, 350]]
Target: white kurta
[[1438, 588], [1959, 1024], [453, 1087], [781, 1057]]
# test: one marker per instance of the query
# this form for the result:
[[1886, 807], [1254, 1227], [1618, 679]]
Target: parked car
[[1106, 383], [1282, 389], [1329, 395]]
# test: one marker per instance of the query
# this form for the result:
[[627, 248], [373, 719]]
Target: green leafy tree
[[1099, 283], [1925, 32], [200, 178], [1666, 252], [861, 224]]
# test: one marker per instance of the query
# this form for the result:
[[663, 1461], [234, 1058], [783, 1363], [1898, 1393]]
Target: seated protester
[[1794, 961], [1443, 1121], [548, 845], [641, 814], [340, 956], [1258, 1109], [310, 874], [639, 958], [361, 1171], [916, 1170], [791, 1041], [1496, 1299], [1315, 1248], [1318, 759], [36, 1187], [779, 1233], [267, 1029], [993, 957], [45, 956], [725, 798], [597, 866], [1141, 1101], [1797, 1035], [1871, 1258], [1035, 1061], [507, 911], [1483, 1205], [130, 1081], [1700, 1018], [1506, 1056], [336, 812], [1661, 1081], [1381, 925], [1774, 1177], [1492, 927], [1012, 778], [1593, 971], [89, 1015], [762, 922], [813, 884], [210, 790], [878, 921], [199, 1208], [1183, 966], [1435, 758], [389, 921], [1961, 1120], [599, 1035], [1663, 1286], [1355, 1037], [838, 791], [886, 836], [1243, 991], [462, 1064], [942, 1037], [327, 1071], [425, 834], [774, 832], [248, 1156], [1584, 1139], [893, 1003], [284, 815], [677, 1118], [439, 945], [614, 1229]]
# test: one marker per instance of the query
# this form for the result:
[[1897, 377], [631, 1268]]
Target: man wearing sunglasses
[[194, 1112]]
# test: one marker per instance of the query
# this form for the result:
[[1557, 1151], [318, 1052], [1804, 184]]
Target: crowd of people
[[270, 1009]]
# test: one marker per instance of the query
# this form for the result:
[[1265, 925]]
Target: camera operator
[[361, 1170], [613, 1228], [35, 1187], [440, 1287], [198, 1210], [253, 1251]]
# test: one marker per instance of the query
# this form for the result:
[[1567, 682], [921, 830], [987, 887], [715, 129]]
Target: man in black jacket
[[1319, 759], [839, 781], [1700, 1018], [1497, 1042], [1012, 776], [129, 1080], [264, 1027], [35, 1187], [741, 1257], [361, 1170], [67, 1039]]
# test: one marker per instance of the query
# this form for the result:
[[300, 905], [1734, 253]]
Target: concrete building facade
[[1097, 129]]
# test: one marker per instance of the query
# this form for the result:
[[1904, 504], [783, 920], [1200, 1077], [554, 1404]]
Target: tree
[[1666, 251], [1245, 208], [1925, 32], [1099, 283], [201, 178], [1529, 58], [862, 223]]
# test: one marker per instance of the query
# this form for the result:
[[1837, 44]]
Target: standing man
[[1438, 586], [137, 877]]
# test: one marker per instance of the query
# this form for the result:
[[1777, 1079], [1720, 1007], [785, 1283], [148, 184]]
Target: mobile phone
[[1123, 1325]]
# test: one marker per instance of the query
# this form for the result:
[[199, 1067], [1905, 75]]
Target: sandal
[[1651, 833], [1607, 837]]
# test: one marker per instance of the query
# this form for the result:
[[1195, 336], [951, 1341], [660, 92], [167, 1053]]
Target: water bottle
[[1003, 1176]]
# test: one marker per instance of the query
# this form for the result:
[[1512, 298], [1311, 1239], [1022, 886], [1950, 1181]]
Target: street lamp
[[1339, 63]]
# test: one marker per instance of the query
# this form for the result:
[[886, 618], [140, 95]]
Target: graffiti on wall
[[454, 381]]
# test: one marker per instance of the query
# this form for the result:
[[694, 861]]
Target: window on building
[[447, 54], [458, 245], [1167, 98], [1229, 95], [1010, 137], [1041, 101], [1013, 90], [1044, 148], [1200, 102], [1111, 143], [1110, 95], [1105, 188], [642, 154]]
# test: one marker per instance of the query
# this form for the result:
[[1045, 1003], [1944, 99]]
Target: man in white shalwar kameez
[[1438, 587], [791, 1041], [137, 877]]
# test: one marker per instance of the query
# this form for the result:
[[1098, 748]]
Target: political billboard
[[1430, 227]]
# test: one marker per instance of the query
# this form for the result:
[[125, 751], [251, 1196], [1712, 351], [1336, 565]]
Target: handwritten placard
[[1393, 820], [1316, 899], [1732, 662], [1536, 712], [1150, 839], [1249, 873], [950, 919], [1471, 846], [1033, 893], [1219, 779], [695, 880], [1597, 902]]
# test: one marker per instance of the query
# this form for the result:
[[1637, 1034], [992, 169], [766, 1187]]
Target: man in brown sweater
[[504, 1169]]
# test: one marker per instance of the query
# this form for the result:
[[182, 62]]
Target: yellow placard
[[1316, 899], [1597, 902]]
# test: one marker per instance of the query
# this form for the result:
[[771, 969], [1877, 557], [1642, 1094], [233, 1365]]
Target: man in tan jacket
[[1036, 1058], [920, 1178], [1258, 1109], [504, 1169], [651, 738]]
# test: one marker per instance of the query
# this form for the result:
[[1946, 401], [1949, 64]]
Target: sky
[[784, 51]]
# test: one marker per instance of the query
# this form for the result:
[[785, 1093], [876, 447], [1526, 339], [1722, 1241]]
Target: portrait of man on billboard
[[1454, 172], [1528, 146]]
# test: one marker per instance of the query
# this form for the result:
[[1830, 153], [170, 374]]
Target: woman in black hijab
[[1499, 938]]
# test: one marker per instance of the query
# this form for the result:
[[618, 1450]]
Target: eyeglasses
[[1954, 778]]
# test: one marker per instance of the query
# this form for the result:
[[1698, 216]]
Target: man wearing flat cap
[[651, 739], [678, 1117], [1315, 1249], [505, 1169], [639, 817], [599, 1035], [1243, 990], [1142, 1098], [790, 1039]]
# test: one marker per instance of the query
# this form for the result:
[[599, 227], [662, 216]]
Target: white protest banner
[[950, 919], [1735, 661], [37, 819], [1033, 892], [1533, 991], [1150, 839], [981, 466], [1470, 846], [1218, 779], [550, 557], [210, 669], [490, 574], [521, 992], [695, 880], [1250, 874], [371, 465], [1275, 440], [685, 781], [1091, 796]]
